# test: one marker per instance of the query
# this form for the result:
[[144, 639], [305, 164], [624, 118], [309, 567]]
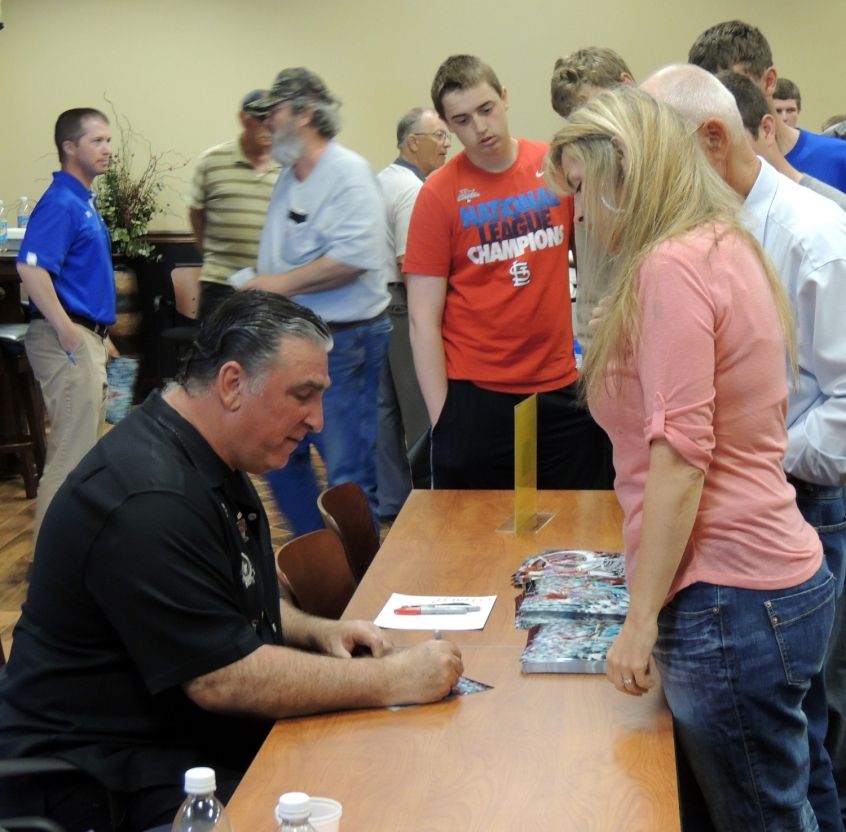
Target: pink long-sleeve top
[[708, 376]]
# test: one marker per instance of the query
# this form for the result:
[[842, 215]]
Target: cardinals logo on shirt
[[520, 273]]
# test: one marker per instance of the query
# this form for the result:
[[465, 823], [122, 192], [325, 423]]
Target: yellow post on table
[[526, 517], [525, 464]]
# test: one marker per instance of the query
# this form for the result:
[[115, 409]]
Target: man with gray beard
[[324, 245]]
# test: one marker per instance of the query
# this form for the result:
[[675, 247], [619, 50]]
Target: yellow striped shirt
[[234, 198]]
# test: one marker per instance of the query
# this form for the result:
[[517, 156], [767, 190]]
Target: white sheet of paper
[[388, 618]]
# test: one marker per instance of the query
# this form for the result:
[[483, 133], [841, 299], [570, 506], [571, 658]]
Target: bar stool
[[25, 436]]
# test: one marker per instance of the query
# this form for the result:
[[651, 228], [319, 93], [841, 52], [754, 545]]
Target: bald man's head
[[696, 95]]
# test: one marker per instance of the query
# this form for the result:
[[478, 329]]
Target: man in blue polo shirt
[[65, 264]]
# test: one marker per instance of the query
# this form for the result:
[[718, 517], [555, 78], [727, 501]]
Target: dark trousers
[[78, 803], [402, 412], [473, 441], [211, 296]]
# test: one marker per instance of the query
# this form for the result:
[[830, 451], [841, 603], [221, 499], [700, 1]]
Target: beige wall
[[177, 68]]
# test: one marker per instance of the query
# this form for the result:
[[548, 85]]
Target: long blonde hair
[[645, 181]]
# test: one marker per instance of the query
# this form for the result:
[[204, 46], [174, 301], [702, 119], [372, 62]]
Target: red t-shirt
[[501, 240]]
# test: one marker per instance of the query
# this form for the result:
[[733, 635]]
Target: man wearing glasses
[[423, 141]]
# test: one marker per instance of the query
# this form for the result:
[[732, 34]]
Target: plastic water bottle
[[293, 811], [24, 210], [4, 227], [577, 353], [201, 810]]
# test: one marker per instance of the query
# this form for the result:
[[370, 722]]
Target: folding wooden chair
[[315, 571], [345, 510], [176, 339]]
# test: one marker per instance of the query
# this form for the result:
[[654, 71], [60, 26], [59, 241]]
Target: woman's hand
[[629, 665], [598, 314]]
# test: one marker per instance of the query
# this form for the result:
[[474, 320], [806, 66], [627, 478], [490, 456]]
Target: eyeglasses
[[438, 135]]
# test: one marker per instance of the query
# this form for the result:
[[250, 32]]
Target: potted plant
[[129, 197]]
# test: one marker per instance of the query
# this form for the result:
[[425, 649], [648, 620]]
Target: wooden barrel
[[126, 331]]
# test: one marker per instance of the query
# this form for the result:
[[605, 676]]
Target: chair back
[[186, 290], [345, 510], [315, 571], [28, 768]]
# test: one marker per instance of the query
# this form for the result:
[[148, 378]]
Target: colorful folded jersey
[[569, 646], [576, 562], [552, 598]]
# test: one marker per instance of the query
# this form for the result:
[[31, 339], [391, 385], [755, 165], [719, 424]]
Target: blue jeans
[[736, 665], [348, 441], [825, 706]]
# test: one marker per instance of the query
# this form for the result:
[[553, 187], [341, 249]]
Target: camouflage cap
[[250, 98], [297, 83]]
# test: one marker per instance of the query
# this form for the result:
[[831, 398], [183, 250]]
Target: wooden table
[[556, 752]]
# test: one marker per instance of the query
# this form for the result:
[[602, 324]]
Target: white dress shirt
[[804, 235]]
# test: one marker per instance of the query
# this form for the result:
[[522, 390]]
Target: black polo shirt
[[153, 566]]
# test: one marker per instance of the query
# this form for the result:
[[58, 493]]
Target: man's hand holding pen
[[429, 671]]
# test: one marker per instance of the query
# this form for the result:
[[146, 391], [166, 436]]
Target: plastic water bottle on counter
[[24, 210], [4, 227], [293, 811], [201, 810], [577, 353]]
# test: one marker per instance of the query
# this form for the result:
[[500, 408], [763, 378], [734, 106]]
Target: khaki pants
[[75, 399]]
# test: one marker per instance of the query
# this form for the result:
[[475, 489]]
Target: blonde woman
[[730, 599]]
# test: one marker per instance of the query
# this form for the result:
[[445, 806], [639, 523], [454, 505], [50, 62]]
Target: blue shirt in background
[[66, 236]]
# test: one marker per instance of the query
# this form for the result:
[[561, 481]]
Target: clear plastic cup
[[325, 814]]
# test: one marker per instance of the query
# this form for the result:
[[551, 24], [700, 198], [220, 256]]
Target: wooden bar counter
[[538, 751]]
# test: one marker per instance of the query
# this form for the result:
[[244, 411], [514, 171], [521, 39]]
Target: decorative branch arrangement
[[128, 192]]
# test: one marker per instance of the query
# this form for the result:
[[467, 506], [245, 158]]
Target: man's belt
[[341, 326], [98, 329], [812, 489]]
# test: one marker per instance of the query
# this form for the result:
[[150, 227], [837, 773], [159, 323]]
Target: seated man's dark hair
[[248, 328]]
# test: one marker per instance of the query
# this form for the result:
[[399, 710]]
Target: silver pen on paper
[[437, 609]]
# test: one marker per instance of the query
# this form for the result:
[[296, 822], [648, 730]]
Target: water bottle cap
[[293, 806], [200, 780]]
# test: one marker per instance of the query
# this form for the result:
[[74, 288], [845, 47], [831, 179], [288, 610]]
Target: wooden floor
[[16, 518], [16, 515]]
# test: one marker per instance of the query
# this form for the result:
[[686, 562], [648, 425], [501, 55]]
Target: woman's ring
[[627, 681]]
